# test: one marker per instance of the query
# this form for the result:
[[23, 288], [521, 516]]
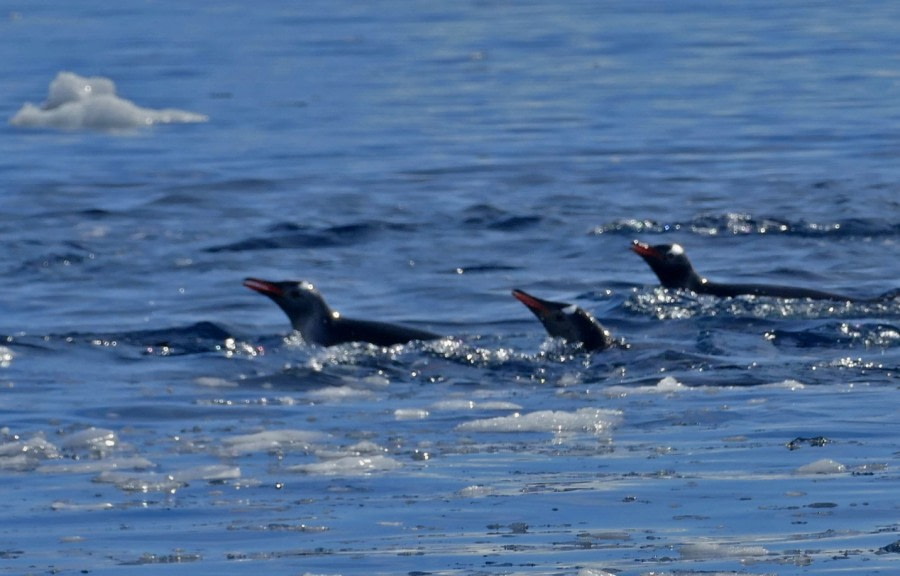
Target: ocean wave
[[740, 224], [289, 236], [90, 103], [665, 304]]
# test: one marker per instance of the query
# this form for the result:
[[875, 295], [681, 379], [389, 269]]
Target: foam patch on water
[[90, 103], [592, 420]]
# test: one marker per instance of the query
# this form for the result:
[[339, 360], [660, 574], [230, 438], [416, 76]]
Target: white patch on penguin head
[[676, 250], [570, 309]]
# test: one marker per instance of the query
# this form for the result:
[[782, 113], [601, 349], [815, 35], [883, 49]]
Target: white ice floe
[[77, 103], [463, 404], [100, 465], [475, 491], [789, 384], [90, 440], [592, 420], [594, 572], [62, 505], [271, 440], [153, 482], [349, 466], [667, 385], [212, 382], [338, 393], [410, 414], [21, 454], [823, 466], [712, 550], [6, 357]]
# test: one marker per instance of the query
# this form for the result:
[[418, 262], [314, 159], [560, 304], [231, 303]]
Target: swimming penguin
[[319, 324], [674, 270], [567, 321]]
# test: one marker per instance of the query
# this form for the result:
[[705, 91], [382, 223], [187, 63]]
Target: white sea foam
[[76, 103], [594, 420]]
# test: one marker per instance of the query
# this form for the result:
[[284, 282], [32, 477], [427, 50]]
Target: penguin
[[674, 270], [567, 321], [318, 324]]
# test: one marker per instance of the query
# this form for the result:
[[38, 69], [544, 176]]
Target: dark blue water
[[416, 164]]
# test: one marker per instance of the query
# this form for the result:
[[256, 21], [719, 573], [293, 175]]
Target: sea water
[[417, 162]]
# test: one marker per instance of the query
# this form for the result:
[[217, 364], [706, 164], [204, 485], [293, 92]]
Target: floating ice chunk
[[823, 466], [593, 572], [338, 393], [212, 382], [711, 550], [453, 404], [410, 414], [26, 454], [91, 439], [75, 102], [6, 357], [349, 466], [61, 505], [95, 466], [268, 440], [145, 483], [362, 448], [476, 491], [462, 404], [788, 384], [210, 473], [667, 385], [153, 482], [593, 420]]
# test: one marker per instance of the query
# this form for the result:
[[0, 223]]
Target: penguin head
[[300, 300], [567, 321], [670, 264]]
